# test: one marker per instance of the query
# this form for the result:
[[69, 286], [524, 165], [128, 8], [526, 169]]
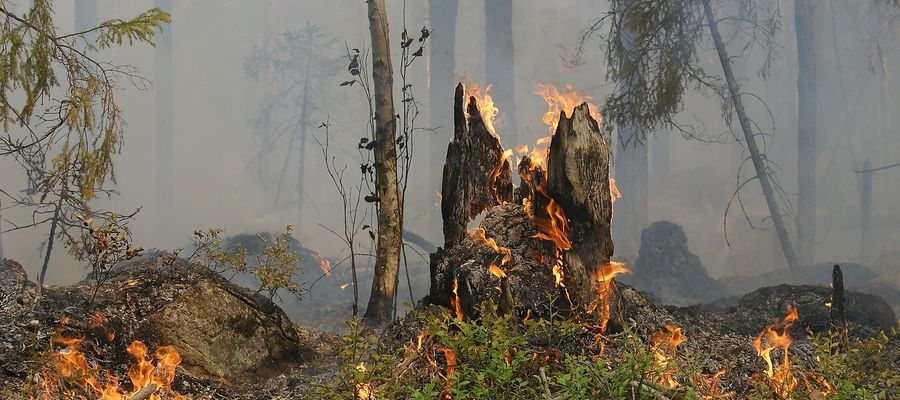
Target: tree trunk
[[865, 197], [1, 230], [441, 81], [499, 63], [387, 251], [631, 167], [838, 319], [304, 121], [53, 224], [806, 128], [165, 133], [759, 165]]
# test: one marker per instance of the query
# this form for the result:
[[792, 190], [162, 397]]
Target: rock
[[225, 334], [14, 284], [666, 268]]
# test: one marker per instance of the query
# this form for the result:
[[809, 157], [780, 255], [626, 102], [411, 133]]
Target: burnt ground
[[238, 345]]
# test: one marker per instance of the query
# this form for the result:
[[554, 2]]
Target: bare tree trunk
[[53, 224], [387, 251], [165, 133], [758, 161], [304, 121], [806, 128], [865, 194], [631, 166], [441, 83], [499, 63]]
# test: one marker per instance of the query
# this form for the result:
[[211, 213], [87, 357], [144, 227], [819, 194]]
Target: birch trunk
[[387, 251], [806, 128]]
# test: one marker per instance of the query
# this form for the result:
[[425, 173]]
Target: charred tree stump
[[476, 174], [578, 179], [537, 249], [838, 319]]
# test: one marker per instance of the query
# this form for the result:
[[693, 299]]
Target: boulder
[[668, 270]]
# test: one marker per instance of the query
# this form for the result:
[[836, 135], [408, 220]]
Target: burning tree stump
[[476, 173], [547, 247]]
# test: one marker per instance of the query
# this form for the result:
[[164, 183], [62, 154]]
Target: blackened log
[[476, 175], [578, 179]]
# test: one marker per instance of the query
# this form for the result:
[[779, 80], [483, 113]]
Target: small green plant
[[210, 254], [102, 248], [275, 265], [858, 368]]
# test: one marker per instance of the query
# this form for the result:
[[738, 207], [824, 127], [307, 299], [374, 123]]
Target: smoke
[[690, 182]]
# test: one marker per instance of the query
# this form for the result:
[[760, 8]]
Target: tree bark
[[806, 128], [476, 175], [578, 179], [500, 63], [165, 133], [387, 250], [441, 80], [756, 156]]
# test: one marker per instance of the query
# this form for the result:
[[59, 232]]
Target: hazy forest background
[[209, 175]]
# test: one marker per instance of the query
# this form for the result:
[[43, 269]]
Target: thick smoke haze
[[690, 181]]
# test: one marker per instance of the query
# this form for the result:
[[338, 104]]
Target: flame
[[344, 286], [562, 102], [664, 344], [324, 264], [420, 338], [479, 236], [71, 363], [486, 106], [496, 271], [555, 227], [710, 387], [454, 300], [614, 192], [777, 335], [364, 391], [604, 276]]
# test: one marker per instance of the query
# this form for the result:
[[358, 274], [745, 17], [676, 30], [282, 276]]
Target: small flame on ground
[[777, 335], [664, 344], [71, 363], [496, 271], [364, 391]]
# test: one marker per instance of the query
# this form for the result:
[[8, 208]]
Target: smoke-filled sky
[[690, 183]]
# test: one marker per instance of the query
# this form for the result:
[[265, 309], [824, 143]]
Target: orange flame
[[777, 335], [565, 101], [364, 391], [496, 271], [324, 264], [486, 106], [604, 276], [664, 344], [555, 227], [71, 363], [454, 300], [481, 237], [614, 192]]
